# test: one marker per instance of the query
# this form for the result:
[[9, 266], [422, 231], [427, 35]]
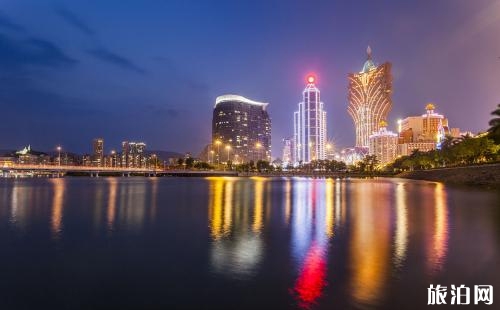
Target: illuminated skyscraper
[[309, 126], [369, 98], [98, 152], [241, 130]]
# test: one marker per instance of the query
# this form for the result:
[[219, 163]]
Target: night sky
[[151, 70]]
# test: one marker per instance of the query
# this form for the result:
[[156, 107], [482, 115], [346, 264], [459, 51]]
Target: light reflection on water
[[57, 206], [312, 227], [438, 247], [401, 234], [370, 242], [235, 251], [313, 243], [378, 227]]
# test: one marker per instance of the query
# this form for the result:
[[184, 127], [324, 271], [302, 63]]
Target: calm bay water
[[241, 243]]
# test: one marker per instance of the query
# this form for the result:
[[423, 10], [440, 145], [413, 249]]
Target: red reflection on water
[[312, 278]]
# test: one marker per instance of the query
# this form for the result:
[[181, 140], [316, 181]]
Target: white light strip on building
[[237, 98]]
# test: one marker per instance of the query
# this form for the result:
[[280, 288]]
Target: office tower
[[309, 125], [369, 96], [241, 130]]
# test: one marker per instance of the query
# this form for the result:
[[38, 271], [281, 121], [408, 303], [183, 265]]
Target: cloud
[[115, 59], [16, 53], [7, 23], [75, 21]]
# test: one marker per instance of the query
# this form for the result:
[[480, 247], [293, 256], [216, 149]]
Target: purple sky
[[151, 70]]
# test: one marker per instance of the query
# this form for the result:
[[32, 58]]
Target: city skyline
[[70, 73]]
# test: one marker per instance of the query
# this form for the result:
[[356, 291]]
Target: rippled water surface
[[241, 243]]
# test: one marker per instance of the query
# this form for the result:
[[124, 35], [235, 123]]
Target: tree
[[494, 131], [189, 162], [263, 165], [180, 161], [251, 165], [202, 165], [370, 162]]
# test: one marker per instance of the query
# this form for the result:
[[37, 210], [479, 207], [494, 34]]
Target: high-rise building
[[287, 157], [309, 126], [125, 154], [98, 152], [369, 98], [137, 152], [383, 144], [241, 130], [133, 154]]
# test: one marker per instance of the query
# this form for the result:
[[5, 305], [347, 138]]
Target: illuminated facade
[[133, 154], [369, 98], [241, 130], [287, 152], [424, 132], [428, 127], [309, 126], [98, 152], [383, 144]]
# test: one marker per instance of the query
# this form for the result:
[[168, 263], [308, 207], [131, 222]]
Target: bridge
[[62, 170]]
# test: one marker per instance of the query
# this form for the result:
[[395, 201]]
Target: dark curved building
[[241, 130]]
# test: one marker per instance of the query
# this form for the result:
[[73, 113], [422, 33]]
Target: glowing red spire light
[[311, 79]]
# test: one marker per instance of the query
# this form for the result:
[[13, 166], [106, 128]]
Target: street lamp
[[59, 154], [258, 145], [155, 161], [328, 150], [113, 158], [228, 149], [218, 143], [212, 155]]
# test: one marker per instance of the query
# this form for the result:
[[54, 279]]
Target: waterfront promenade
[[58, 171]]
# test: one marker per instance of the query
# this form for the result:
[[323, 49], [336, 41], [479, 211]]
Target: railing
[[76, 168]]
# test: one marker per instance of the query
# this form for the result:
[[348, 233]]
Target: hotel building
[[383, 144], [369, 96], [309, 126], [241, 130], [424, 132]]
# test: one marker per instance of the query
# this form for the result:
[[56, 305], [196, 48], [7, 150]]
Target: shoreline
[[487, 175]]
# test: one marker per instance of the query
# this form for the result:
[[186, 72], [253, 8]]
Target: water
[[241, 243]]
